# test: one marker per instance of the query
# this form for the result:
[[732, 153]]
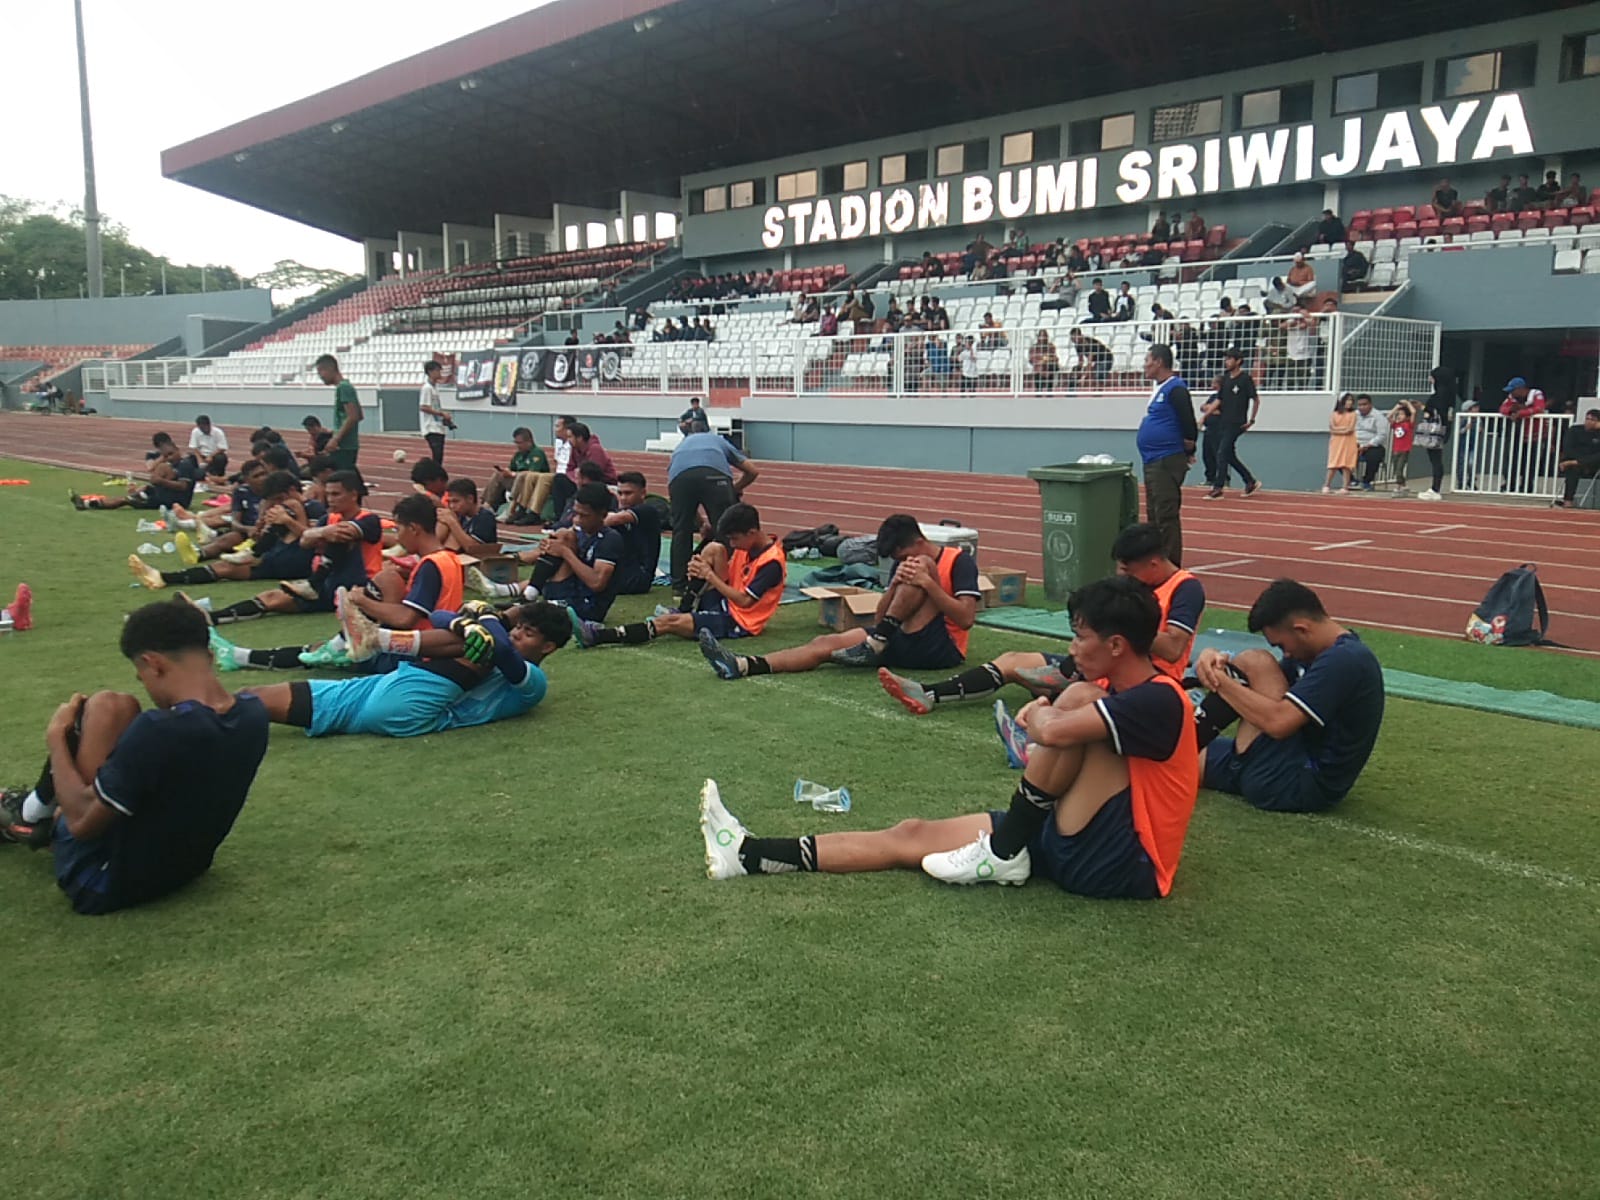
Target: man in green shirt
[[345, 444], [526, 484]]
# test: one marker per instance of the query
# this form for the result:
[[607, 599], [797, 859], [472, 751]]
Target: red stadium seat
[[1383, 231], [1580, 216], [1478, 223], [1217, 235], [1434, 227], [1557, 216], [1530, 219], [1406, 229], [1502, 221]]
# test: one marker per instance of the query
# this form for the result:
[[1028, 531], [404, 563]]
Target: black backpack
[[1507, 614], [807, 539]]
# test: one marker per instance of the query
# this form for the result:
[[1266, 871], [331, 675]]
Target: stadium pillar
[[419, 251], [91, 205], [516, 237]]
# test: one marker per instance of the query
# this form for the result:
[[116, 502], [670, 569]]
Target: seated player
[[588, 472], [167, 486], [317, 440], [465, 525], [135, 803], [276, 552], [1102, 809], [733, 591], [430, 478], [348, 551], [468, 669], [1139, 551], [1307, 724], [638, 521], [922, 621], [577, 566], [218, 533]]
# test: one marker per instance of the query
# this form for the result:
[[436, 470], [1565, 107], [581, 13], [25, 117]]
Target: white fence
[[1506, 456], [1055, 354]]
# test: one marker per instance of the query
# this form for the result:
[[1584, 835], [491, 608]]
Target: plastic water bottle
[[148, 548], [169, 547], [821, 797]]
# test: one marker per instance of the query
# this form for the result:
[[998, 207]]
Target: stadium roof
[[580, 98]]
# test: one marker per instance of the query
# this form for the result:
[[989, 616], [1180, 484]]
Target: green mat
[[1532, 706]]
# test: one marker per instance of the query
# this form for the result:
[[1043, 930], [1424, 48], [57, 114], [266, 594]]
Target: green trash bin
[[1085, 507]]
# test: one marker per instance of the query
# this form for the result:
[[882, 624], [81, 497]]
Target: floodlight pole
[[91, 207]]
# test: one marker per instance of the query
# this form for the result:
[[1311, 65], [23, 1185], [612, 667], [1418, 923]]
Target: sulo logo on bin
[[1058, 546], [1060, 518]]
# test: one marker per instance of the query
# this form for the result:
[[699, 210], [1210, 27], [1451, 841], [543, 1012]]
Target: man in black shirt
[[1330, 229], [1099, 302], [1523, 196], [1498, 199], [1446, 200], [1354, 269], [1549, 190], [639, 523], [1580, 456], [1240, 405]]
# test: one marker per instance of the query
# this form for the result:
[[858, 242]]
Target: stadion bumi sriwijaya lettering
[[1369, 144]]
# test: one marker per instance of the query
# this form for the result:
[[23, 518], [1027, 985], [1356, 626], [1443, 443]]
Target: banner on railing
[[447, 363], [475, 375], [559, 369], [506, 366]]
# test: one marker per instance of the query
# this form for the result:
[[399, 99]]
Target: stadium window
[[1275, 106], [1472, 74], [666, 226], [714, 199], [595, 232], [855, 176], [892, 169], [1580, 56], [1016, 149], [1116, 132], [1192, 119], [742, 195], [950, 160], [797, 185], [1392, 87], [641, 227], [571, 239]]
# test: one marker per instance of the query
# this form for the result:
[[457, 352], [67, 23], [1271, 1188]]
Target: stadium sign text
[[1367, 144]]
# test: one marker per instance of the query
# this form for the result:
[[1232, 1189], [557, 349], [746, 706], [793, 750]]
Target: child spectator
[[1342, 443], [1402, 429]]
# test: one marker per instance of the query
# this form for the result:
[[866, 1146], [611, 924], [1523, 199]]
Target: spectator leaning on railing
[[1523, 433]]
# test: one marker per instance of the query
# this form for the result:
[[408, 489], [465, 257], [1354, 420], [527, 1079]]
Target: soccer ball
[[399, 456]]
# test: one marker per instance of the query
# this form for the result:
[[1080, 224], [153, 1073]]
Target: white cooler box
[[941, 536]]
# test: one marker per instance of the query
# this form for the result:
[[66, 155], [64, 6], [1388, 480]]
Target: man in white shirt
[[1372, 440], [208, 447], [561, 452], [967, 362], [434, 419]]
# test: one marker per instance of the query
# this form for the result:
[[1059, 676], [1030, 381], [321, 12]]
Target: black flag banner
[[560, 369], [475, 375]]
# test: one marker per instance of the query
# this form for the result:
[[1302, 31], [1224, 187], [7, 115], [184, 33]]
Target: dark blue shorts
[[928, 649], [81, 872], [578, 598], [1278, 775], [719, 620], [1104, 860], [283, 562]]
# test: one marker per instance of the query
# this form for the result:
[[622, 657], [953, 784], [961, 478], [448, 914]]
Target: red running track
[[1376, 560]]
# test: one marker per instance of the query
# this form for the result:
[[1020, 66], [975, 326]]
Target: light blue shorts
[[405, 703]]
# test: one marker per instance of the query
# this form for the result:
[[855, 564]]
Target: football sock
[[969, 685], [636, 634], [45, 789], [190, 575], [34, 809], [885, 629], [778, 856], [544, 569], [407, 643], [753, 664], [1029, 810], [245, 610], [1213, 716], [512, 590], [284, 658]]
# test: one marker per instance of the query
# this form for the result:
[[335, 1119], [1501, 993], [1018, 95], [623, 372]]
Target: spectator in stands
[[1094, 262], [345, 445], [932, 268], [1372, 440], [620, 335], [1064, 293], [1580, 457], [1130, 258], [1353, 270], [1093, 366], [1523, 434], [829, 325], [641, 319], [894, 318], [1550, 191], [1498, 199], [1099, 301], [1300, 348], [807, 309], [1343, 453], [1330, 229], [967, 362], [208, 447], [1446, 200], [978, 251], [1046, 363], [992, 335], [1523, 196], [1077, 260], [525, 484], [1302, 276], [939, 365], [1574, 195], [703, 332], [1278, 298], [572, 339], [1124, 308], [1195, 230], [1161, 231]]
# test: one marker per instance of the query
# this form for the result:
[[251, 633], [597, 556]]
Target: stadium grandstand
[[1342, 202]]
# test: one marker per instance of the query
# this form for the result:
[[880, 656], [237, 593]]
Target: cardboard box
[[844, 607], [499, 568], [1010, 586]]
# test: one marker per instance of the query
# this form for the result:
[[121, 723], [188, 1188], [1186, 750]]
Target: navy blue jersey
[[1341, 693], [346, 565], [641, 542], [1187, 605], [482, 525], [177, 778], [246, 506], [604, 546]]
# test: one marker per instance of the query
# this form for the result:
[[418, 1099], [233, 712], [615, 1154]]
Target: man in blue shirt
[[1166, 441], [1307, 725], [134, 804], [700, 475]]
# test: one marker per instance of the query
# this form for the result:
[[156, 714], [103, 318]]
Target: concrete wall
[[1558, 114], [1467, 291], [123, 320]]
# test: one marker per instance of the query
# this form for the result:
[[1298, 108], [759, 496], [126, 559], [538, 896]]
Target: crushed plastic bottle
[[821, 797], [169, 547], [146, 526], [148, 548]]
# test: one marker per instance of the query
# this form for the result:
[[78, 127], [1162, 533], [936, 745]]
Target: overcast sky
[[164, 71]]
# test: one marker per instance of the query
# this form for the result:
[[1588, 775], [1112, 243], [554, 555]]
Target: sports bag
[[863, 550], [1508, 614]]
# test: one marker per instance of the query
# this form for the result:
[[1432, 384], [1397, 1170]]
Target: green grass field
[[487, 963]]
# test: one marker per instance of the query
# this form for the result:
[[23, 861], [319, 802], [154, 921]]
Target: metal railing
[[1509, 456]]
